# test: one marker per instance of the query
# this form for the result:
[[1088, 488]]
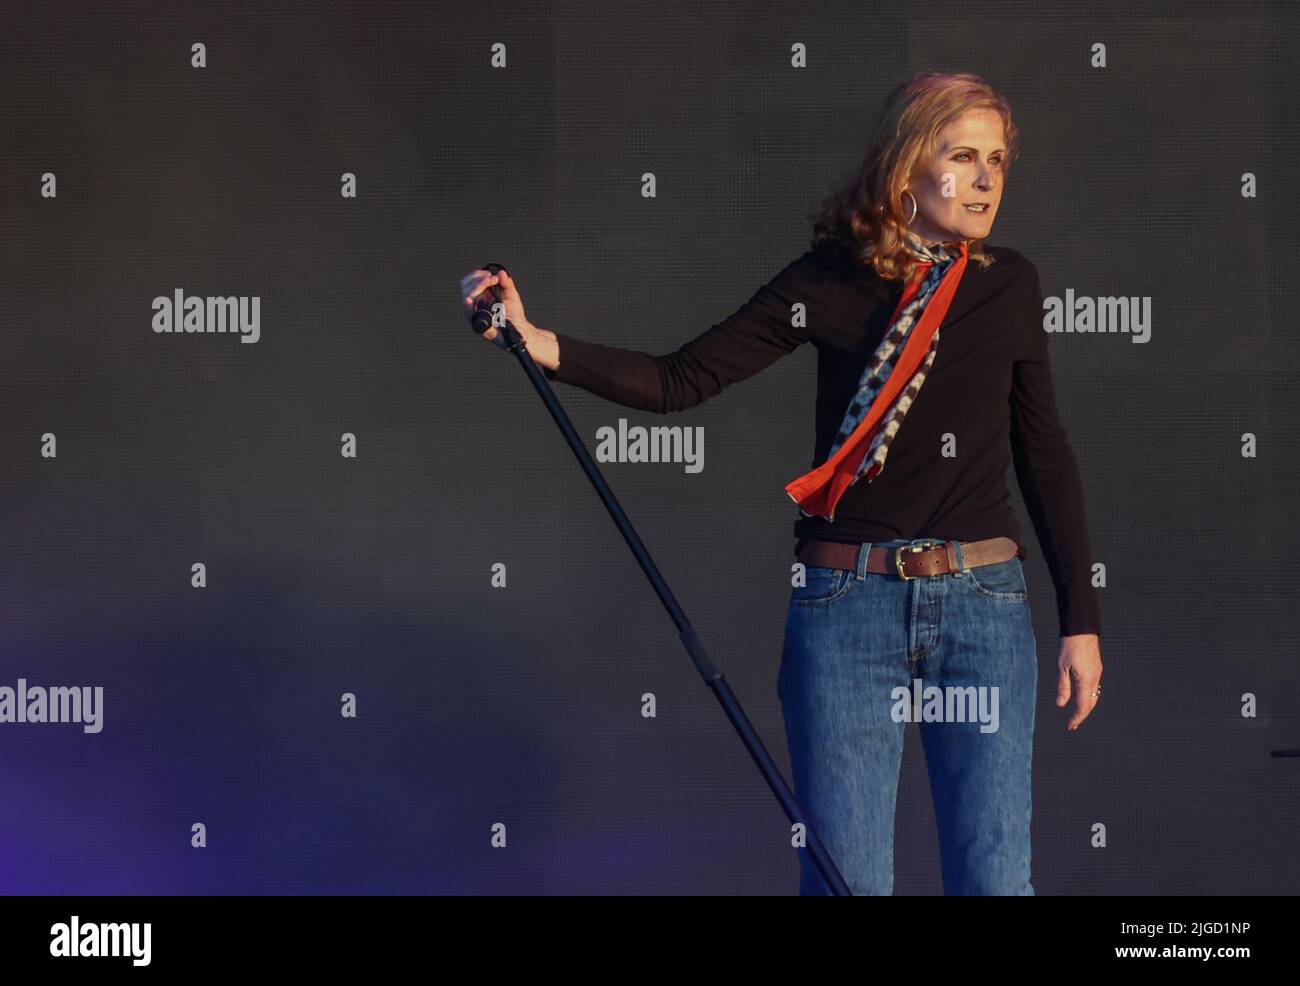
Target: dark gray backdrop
[[520, 705]]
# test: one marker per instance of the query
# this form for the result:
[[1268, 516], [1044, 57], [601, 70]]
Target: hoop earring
[[912, 218]]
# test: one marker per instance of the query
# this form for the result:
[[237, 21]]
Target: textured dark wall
[[371, 575]]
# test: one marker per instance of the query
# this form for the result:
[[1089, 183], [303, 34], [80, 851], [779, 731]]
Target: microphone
[[481, 318]]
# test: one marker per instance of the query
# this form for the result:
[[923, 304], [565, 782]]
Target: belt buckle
[[898, 557], [911, 548]]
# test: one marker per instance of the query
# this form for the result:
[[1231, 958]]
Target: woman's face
[[966, 171]]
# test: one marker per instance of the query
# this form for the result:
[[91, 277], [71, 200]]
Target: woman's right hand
[[476, 282], [541, 344]]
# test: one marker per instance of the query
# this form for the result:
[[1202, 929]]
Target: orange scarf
[[819, 491]]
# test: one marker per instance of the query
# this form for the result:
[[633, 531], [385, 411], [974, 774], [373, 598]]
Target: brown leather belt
[[907, 561]]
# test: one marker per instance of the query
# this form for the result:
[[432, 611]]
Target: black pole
[[714, 678]]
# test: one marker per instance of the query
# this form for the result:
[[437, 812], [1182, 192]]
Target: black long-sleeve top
[[989, 391]]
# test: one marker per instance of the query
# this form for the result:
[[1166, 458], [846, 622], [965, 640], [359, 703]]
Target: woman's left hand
[[1080, 675]]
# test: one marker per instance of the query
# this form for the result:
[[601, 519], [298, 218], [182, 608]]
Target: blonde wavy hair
[[865, 213]]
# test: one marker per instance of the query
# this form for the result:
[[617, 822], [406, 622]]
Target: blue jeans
[[861, 650]]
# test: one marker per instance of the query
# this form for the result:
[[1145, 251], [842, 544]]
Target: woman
[[908, 581]]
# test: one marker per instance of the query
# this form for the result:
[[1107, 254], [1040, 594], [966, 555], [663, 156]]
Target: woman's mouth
[[976, 207]]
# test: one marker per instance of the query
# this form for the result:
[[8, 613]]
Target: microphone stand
[[713, 678]]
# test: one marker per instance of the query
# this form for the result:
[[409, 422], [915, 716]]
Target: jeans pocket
[[821, 586], [1000, 580]]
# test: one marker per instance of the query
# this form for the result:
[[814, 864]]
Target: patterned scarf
[[890, 383]]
